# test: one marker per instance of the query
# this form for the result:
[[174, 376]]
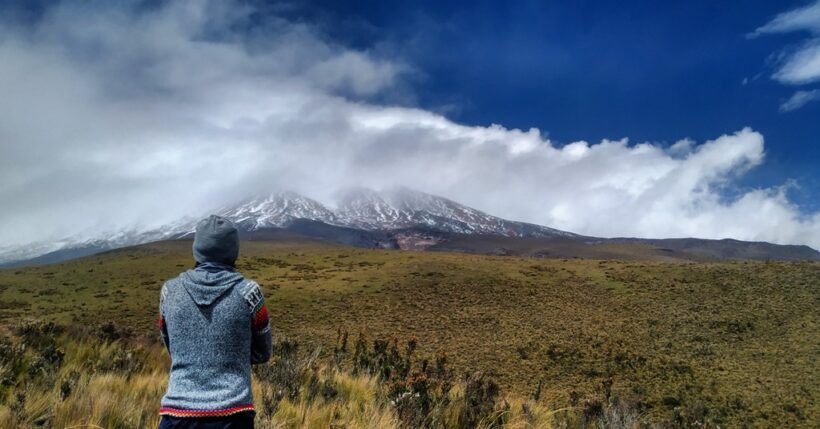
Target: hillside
[[737, 339], [403, 218]]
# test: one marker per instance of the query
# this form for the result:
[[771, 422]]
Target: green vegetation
[[61, 377], [731, 344]]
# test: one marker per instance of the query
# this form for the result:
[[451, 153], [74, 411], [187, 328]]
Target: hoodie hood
[[205, 286]]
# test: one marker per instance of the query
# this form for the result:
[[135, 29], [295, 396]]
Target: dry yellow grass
[[128, 397], [736, 340]]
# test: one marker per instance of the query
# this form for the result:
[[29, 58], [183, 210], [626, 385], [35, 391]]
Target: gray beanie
[[216, 240]]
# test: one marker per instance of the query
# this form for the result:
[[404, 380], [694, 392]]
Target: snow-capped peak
[[390, 209], [387, 211], [277, 210], [365, 208]]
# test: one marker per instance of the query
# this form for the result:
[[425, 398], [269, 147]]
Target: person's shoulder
[[251, 293], [247, 286], [175, 279], [171, 283]]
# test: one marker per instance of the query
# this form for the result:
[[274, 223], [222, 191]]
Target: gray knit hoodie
[[215, 324]]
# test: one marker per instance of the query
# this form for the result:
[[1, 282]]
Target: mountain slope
[[276, 210], [402, 207], [402, 218]]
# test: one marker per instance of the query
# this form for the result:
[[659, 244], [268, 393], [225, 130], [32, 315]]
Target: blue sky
[[588, 70], [640, 119]]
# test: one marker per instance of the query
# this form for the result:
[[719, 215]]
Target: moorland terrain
[[732, 344]]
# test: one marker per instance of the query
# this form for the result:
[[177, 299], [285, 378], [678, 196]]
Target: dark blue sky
[[650, 71], [586, 70], [274, 87]]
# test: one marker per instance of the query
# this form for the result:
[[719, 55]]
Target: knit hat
[[216, 240]]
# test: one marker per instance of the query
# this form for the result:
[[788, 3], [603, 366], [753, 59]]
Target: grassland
[[737, 343]]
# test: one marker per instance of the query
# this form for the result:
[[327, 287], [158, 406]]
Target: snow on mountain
[[105, 240], [359, 208], [276, 211], [401, 207], [393, 218], [366, 209], [395, 208], [443, 214]]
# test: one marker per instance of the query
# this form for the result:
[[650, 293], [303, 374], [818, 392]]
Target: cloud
[[806, 18], [118, 117], [799, 99], [802, 64], [801, 67]]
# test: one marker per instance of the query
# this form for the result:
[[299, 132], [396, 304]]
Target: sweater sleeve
[[163, 330], [261, 341]]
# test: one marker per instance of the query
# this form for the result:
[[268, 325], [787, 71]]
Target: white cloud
[[806, 18], [113, 118], [799, 99], [802, 65]]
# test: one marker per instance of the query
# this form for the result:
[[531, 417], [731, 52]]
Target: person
[[214, 324]]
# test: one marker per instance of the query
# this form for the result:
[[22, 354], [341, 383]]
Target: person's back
[[214, 323]]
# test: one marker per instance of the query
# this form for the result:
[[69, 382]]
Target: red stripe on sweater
[[260, 318], [175, 412]]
